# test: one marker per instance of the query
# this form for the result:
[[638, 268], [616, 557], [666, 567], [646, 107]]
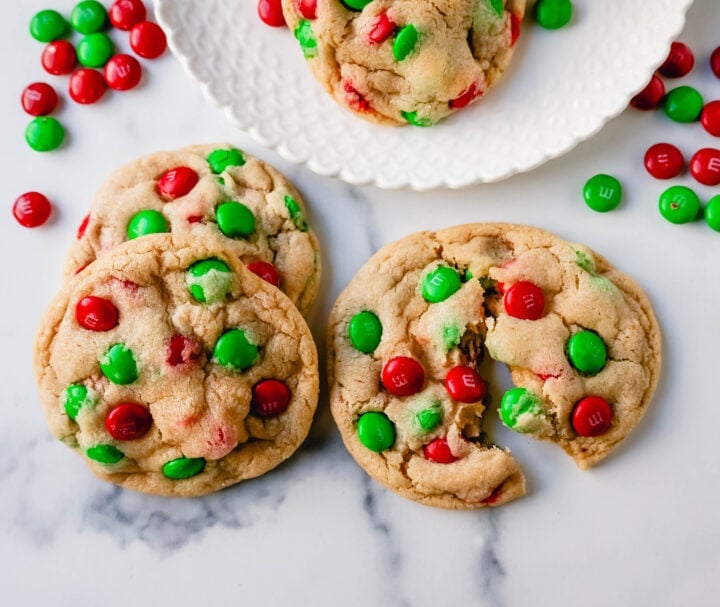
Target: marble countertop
[[642, 528]]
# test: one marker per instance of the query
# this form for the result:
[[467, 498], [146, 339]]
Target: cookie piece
[[407, 335], [403, 61], [174, 370], [212, 191]]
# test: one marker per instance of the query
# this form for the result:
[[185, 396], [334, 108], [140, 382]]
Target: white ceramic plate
[[561, 88]]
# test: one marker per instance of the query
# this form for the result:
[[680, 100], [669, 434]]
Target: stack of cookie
[[176, 359]]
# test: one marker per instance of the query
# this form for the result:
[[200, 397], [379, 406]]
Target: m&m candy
[[465, 385], [32, 209], [440, 284], [122, 72], [235, 350], [307, 8], [119, 366], [177, 182], [587, 352], [270, 12], [705, 166], [128, 421], [126, 13], [148, 40], [405, 42], [48, 25], [209, 281], [59, 57], [365, 331], [147, 222], [265, 270], [524, 300], [592, 416], [715, 62], [438, 451], [39, 99], [86, 86], [95, 50], [96, 314], [88, 17], [270, 397], [712, 213], [683, 104], [44, 134], [679, 204], [602, 193], [553, 14], [403, 376], [710, 118], [235, 220], [651, 96], [679, 62], [375, 431], [183, 468], [664, 161]]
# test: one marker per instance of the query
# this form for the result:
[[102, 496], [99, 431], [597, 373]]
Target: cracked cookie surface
[[403, 61], [214, 191], [174, 370], [407, 334]]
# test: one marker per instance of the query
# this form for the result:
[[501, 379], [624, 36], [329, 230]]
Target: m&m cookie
[[174, 370], [409, 332], [214, 191], [402, 61]]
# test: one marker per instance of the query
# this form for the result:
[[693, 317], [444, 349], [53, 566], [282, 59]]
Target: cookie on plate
[[403, 61], [174, 370], [212, 191], [407, 335]]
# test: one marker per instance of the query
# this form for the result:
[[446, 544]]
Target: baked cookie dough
[[403, 61], [212, 191], [407, 335], [174, 370]]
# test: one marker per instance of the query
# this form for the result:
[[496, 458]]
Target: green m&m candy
[[296, 214], [75, 397], [44, 134], [428, 419], [602, 193], [119, 365], [679, 204], [376, 431], [683, 104], [440, 284], [712, 213], [553, 14], [587, 352], [405, 42], [48, 25], [520, 410], [235, 351], [105, 454], [209, 281], [498, 6], [235, 220], [147, 222], [415, 120], [221, 160], [183, 467], [95, 50], [88, 17], [356, 5], [306, 37], [365, 331]]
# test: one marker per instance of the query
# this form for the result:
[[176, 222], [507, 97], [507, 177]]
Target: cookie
[[212, 191], [174, 370], [403, 61], [408, 333]]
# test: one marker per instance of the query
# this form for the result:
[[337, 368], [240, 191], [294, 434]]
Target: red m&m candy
[[122, 72], [710, 118], [128, 421], [664, 161], [177, 182], [679, 62], [403, 376], [270, 12], [307, 8], [96, 314], [39, 99], [651, 96], [381, 29], [715, 62], [82, 227], [465, 385], [126, 13], [182, 350], [592, 416], [266, 271], [705, 166], [524, 300], [59, 58], [32, 209], [86, 86], [438, 451], [465, 98], [270, 397], [148, 40]]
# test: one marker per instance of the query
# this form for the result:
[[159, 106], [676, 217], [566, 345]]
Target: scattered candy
[[119, 365], [381, 29], [587, 352], [75, 398], [683, 104], [95, 50], [86, 86], [148, 40], [553, 14], [177, 182], [270, 12], [96, 314], [438, 451], [183, 468], [465, 385], [705, 166], [405, 42], [651, 96], [592, 416], [712, 213], [679, 204], [710, 118], [266, 271], [235, 351], [122, 72], [602, 193], [307, 8], [365, 331], [679, 62], [128, 421], [147, 222], [105, 454], [376, 431], [39, 99], [44, 134], [126, 13], [221, 160], [59, 58], [524, 300], [48, 25], [715, 62], [88, 17], [270, 397], [520, 410], [430, 418], [440, 284], [235, 220], [31, 209], [403, 376], [210, 280], [664, 161]]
